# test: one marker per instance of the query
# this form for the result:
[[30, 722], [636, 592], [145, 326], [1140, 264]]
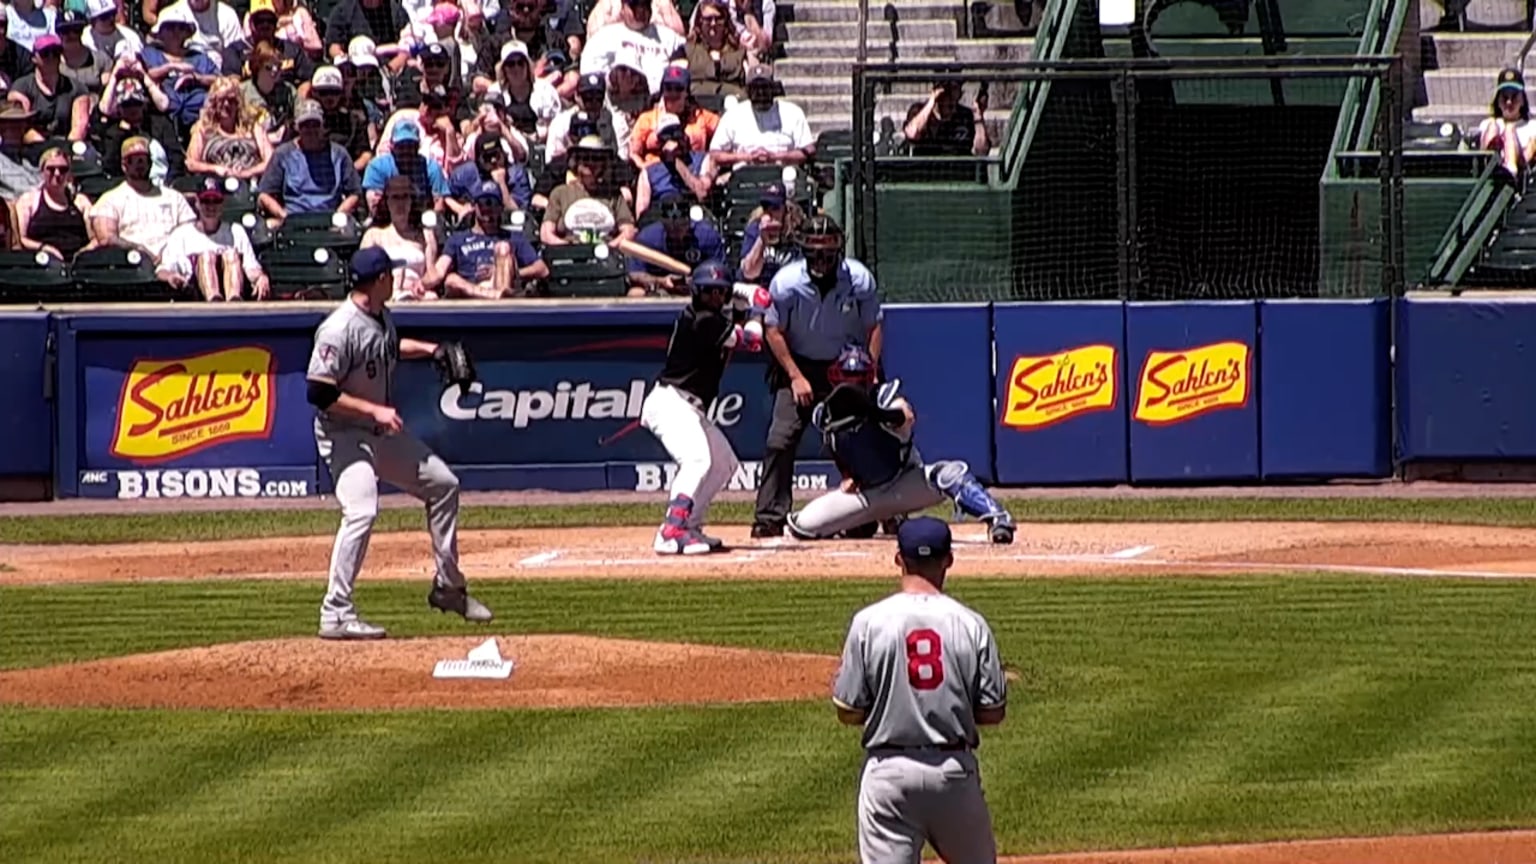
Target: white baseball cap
[[98, 8], [362, 51], [514, 48]]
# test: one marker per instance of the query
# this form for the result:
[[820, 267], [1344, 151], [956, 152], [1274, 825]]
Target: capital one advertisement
[[195, 417], [569, 398]]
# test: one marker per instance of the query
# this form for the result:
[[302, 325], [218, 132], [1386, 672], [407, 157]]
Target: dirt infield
[[313, 674], [1504, 847], [624, 553]]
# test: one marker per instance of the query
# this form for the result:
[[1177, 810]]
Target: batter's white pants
[[908, 797], [705, 460], [358, 460]]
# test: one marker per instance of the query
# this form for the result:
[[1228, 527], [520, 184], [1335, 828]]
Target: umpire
[[820, 304]]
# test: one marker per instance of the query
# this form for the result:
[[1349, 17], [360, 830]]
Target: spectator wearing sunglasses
[[105, 35], [54, 98], [488, 261], [717, 62], [679, 170], [309, 174], [589, 116], [346, 125], [261, 24], [551, 38], [218, 33], [698, 123], [51, 218], [678, 235], [490, 165], [87, 68], [184, 71], [530, 102]]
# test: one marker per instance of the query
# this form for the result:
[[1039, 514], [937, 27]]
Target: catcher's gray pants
[[907, 797], [358, 460], [837, 510]]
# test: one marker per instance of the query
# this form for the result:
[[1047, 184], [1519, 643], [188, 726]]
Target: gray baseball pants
[[837, 510], [907, 797], [358, 460]]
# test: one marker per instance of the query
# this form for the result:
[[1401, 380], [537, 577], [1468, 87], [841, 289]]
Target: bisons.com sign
[[171, 408]]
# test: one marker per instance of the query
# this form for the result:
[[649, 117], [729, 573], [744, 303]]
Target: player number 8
[[925, 665]]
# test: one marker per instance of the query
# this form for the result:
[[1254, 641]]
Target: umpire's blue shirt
[[817, 327]]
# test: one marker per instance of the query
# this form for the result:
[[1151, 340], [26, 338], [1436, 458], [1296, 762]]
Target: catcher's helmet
[[853, 366], [709, 277], [821, 242]]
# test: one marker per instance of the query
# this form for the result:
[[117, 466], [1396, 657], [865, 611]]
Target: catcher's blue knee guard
[[955, 480]]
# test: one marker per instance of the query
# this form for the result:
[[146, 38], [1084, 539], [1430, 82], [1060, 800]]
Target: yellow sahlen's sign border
[[1179, 385], [170, 408], [1051, 388]]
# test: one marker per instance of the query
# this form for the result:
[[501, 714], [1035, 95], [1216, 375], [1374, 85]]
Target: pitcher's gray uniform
[[357, 351], [919, 666]]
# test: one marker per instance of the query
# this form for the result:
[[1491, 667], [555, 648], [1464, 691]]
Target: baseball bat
[[651, 256]]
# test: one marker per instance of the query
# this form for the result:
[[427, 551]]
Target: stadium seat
[[255, 228], [34, 277], [711, 101], [585, 271], [305, 273], [320, 231], [115, 274]]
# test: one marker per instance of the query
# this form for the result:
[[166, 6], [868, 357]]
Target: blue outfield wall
[[204, 402]]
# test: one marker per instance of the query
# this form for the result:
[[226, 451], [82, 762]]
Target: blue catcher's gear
[[710, 277], [853, 366], [955, 480]]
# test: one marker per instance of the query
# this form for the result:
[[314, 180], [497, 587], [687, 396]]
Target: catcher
[[361, 438], [868, 430]]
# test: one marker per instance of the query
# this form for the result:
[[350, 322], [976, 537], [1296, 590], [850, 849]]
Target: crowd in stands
[[482, 143]]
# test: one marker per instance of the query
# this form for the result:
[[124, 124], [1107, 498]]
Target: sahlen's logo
[[170, 408], [1180, 385], [1056, 387]]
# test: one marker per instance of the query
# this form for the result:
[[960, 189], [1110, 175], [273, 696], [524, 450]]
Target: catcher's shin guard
[[955, 480]]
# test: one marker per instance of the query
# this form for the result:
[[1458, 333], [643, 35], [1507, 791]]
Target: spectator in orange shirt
[[698, 123]]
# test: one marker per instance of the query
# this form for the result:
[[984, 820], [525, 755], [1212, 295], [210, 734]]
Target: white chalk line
[[541, 558], [1291, 567], [1133, 552]]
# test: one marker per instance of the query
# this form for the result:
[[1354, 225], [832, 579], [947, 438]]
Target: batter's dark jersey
[[696, 353]]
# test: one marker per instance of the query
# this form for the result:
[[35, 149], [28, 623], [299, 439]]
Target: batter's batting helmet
[[709, 277], [853, 366]]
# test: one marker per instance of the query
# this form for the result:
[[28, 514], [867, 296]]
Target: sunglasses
[[673, 88], [50, 54], [711, 19], [56, 169]]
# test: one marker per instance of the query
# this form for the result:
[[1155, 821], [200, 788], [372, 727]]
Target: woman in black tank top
[[52, 217]]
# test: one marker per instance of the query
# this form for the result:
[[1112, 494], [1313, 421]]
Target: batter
[[362, 439], [868, 430], [675, 412], [920, 672]]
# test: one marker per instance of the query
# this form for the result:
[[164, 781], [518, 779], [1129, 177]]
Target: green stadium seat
[[585, 271], [320, 231], [34, 277], [115, 274], [305, 273]]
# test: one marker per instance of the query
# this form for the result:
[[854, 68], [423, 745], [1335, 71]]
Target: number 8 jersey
[[919, 665]]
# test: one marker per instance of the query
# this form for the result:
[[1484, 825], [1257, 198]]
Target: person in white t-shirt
[[137, 214], [653, 45], [218, 29], [764, 129], [28, 19], [105, 35], [210, 254]]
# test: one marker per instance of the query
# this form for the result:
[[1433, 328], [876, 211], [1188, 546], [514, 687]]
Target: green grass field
[[1148, 713]]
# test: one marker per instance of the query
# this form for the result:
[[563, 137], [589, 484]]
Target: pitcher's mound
[[551, 671]]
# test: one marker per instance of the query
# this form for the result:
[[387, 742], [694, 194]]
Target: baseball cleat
[[761, 531], [353, 628], [682, 543], [715, 543], [458, 601]]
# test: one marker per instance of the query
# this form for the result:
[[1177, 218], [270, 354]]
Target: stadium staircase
[[1492, 241], [822, 44]]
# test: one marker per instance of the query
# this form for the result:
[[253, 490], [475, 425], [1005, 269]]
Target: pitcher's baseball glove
[[454, 365]]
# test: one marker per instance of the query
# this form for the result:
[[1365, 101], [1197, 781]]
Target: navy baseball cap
[[772, 196], [923, 538], [369, 264], [487, 190]]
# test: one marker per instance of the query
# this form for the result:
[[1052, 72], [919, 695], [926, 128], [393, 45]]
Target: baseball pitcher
[[362, 440], [868, 430], [920, 672], [675, 411]]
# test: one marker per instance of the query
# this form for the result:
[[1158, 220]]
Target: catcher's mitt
[[453, 364]]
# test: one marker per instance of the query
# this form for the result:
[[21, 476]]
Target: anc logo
[[1179, 385], [171, 408], [1053, 388]]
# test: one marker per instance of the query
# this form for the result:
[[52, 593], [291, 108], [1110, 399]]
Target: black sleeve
[[713, 329], [340, 27]]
